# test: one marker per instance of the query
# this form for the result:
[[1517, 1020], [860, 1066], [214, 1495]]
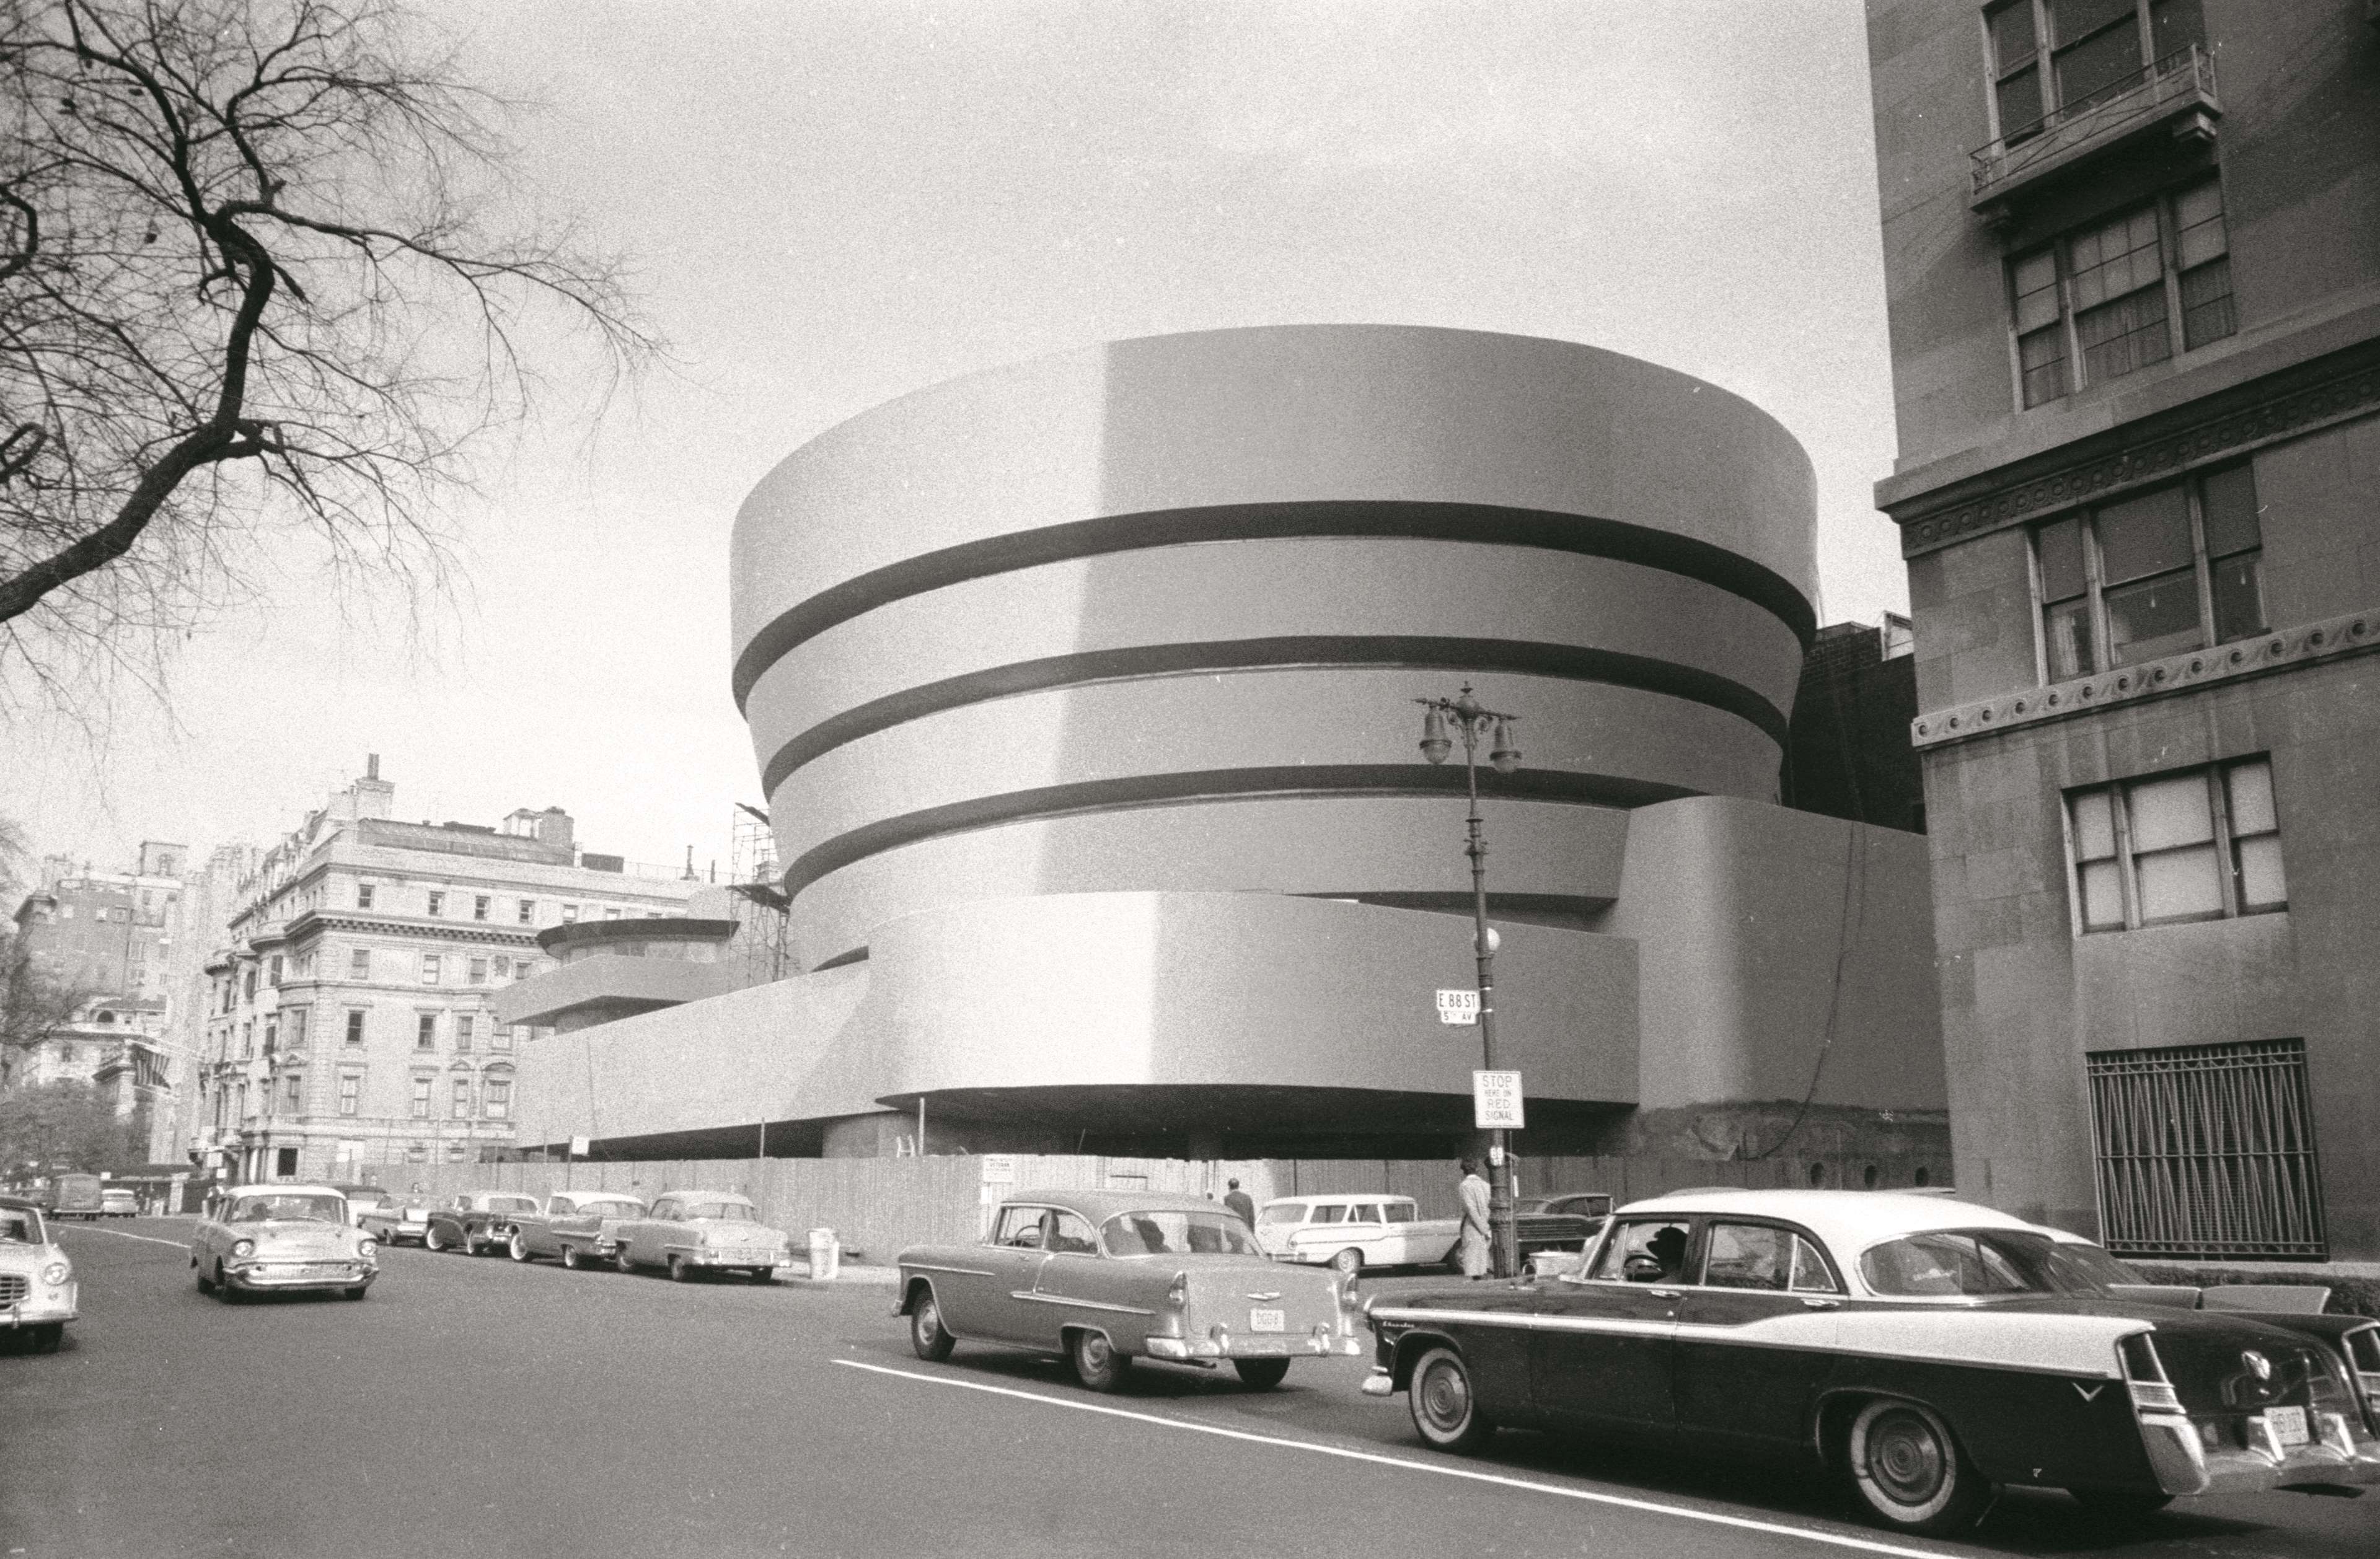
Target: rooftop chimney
[[371, 766]]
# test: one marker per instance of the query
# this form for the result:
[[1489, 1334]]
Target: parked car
[[476, 1221], [397, 1223], [115, 1201], [1105, 1277], [570, 1227], [694, 1231], [76, 1196], [38, 1292], [364, 1199], [1925, 1348], [281, 1238], [1351, 1232]]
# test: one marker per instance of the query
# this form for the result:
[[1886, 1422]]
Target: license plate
[[1268, 1320], [314, 1269], [2289, 1425]]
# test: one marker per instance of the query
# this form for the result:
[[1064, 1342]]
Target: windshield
[[1173, 1234], [2088, 1267], [18, 1227], [1980, 1264], [289, 1205], [511, 1204], [725, 1212], [625, 1207]]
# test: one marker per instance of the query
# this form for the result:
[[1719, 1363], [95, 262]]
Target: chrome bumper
[[59, 1306], [277, 1279], [1268, 1346], [1379, 1383], [2340, 1455]]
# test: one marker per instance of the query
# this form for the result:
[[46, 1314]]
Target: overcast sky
[[830, 205]]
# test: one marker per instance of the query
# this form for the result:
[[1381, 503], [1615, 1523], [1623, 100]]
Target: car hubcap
[[928, 1322], [1094, 1353], [1445, 1397], [1904, 1459]]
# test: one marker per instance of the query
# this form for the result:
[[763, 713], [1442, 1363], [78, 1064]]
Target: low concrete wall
[[880, 1205]]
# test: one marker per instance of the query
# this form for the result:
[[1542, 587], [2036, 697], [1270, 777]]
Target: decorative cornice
[[479, 931], [2332, 639], [2276, 415]]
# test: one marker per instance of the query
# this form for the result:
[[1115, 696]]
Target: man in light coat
[[1471, 1245]]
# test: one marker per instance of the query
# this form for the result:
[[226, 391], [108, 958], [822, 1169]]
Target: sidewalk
[[879, 1276]]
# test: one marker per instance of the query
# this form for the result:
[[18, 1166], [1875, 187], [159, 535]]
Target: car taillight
[[2144, 1375], [1178, 1294], [2364, 1354]]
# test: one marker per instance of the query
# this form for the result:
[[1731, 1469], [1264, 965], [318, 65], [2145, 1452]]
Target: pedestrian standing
[[1471, 1245], [1240, 1201]]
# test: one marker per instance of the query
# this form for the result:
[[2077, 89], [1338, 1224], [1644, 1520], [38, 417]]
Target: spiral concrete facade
[[1082, 695]]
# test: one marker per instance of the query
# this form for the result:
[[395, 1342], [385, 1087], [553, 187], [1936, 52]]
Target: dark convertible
[[1925, 1348]]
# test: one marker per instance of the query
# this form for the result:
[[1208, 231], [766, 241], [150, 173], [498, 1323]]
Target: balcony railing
[[2177, 89]]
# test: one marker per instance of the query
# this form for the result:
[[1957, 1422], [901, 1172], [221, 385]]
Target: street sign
[[1458, 1007], [1496, 1100], [579, 1147]]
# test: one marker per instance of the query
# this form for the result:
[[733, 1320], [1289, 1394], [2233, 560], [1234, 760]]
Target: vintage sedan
[[1926, 1350], [38, 1292], [276, 1238], [696, 1231], [1105, 1277], [570, 1227], [397, 1223], [476, 1221]]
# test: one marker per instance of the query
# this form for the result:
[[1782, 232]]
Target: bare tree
[[261, 277]]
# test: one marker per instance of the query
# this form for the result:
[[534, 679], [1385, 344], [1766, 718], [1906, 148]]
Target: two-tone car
[[282, 1239], [1102, 1278], [691, 1232], [1351, 1231], [478, 1221], [38, 1291], [571, 1228], [1926, 1350], [397, 1223]]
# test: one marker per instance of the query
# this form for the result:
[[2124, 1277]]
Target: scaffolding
[[757, 896]]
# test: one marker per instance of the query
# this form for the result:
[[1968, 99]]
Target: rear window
[[1283, 1212], [1401, 1212], [1329, 1213], [511, 1204], [1957, 1263]]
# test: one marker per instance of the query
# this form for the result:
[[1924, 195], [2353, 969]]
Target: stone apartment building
[[2132, 260], [346, 1030]]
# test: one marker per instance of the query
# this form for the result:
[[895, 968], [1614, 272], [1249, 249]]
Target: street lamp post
[[1472, 721]]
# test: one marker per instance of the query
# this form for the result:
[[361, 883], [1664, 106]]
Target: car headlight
[[56, 1272], [365, 1248], [243, 1247]]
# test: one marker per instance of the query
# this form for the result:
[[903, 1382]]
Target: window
[[65, 1052], [500, 1099], [1642, 1251], [363, 896], [612, 911], [359, 964], [425, 1031], [250, 982], [421, 1100], [2200, 845], [569, 914], [247, 1039], [272, 1035], [351, 1088], [2016, 69], [2098, 48], [504, 967], [429, 969], [273, 975], [2158, 573], [285, 1164], [528, 912], [296, 1019], [417, 1153], [462, 1104], [355, 1025], [500, 1038], [1747, 1256], [437, 904], [463, 1022], [480, 907], [478, 970], [292, 1094], [2099, 303]]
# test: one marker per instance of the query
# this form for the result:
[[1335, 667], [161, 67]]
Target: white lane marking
[[1743, 1523], [121, 1234]]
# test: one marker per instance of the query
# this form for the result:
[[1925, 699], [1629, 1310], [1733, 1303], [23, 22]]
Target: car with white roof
[[38, 1291], [1925, 1350], [282, 1239], [691, 1232]]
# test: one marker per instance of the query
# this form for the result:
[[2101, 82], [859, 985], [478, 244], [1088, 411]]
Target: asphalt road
[[472, 1408]]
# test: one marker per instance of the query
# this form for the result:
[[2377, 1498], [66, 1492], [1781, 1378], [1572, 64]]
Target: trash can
[[826, 1254]]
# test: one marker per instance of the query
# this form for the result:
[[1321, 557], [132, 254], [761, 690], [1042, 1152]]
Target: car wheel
[[679, 1271], [1909, 1470], [470, 1243], [621, 1260], [1261, 1374], [928, 1338], [1097, 1363], [1348, 1263], [223, 1290], [570, 1257], [2121, 1504], [45, 1340], [1445, 1405], [518, 1247], [764, 1274], [358, 1292], [431, 1240], [206, 1284]]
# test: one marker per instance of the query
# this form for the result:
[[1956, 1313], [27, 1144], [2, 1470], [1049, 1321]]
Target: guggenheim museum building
[[1082, 694]]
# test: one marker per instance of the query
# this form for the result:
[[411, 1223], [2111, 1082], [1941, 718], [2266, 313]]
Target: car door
[[1602, 1351], [1397, 1242], [1070, 1277], [1756, 1335], [641, 1239], [992, 1298]]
